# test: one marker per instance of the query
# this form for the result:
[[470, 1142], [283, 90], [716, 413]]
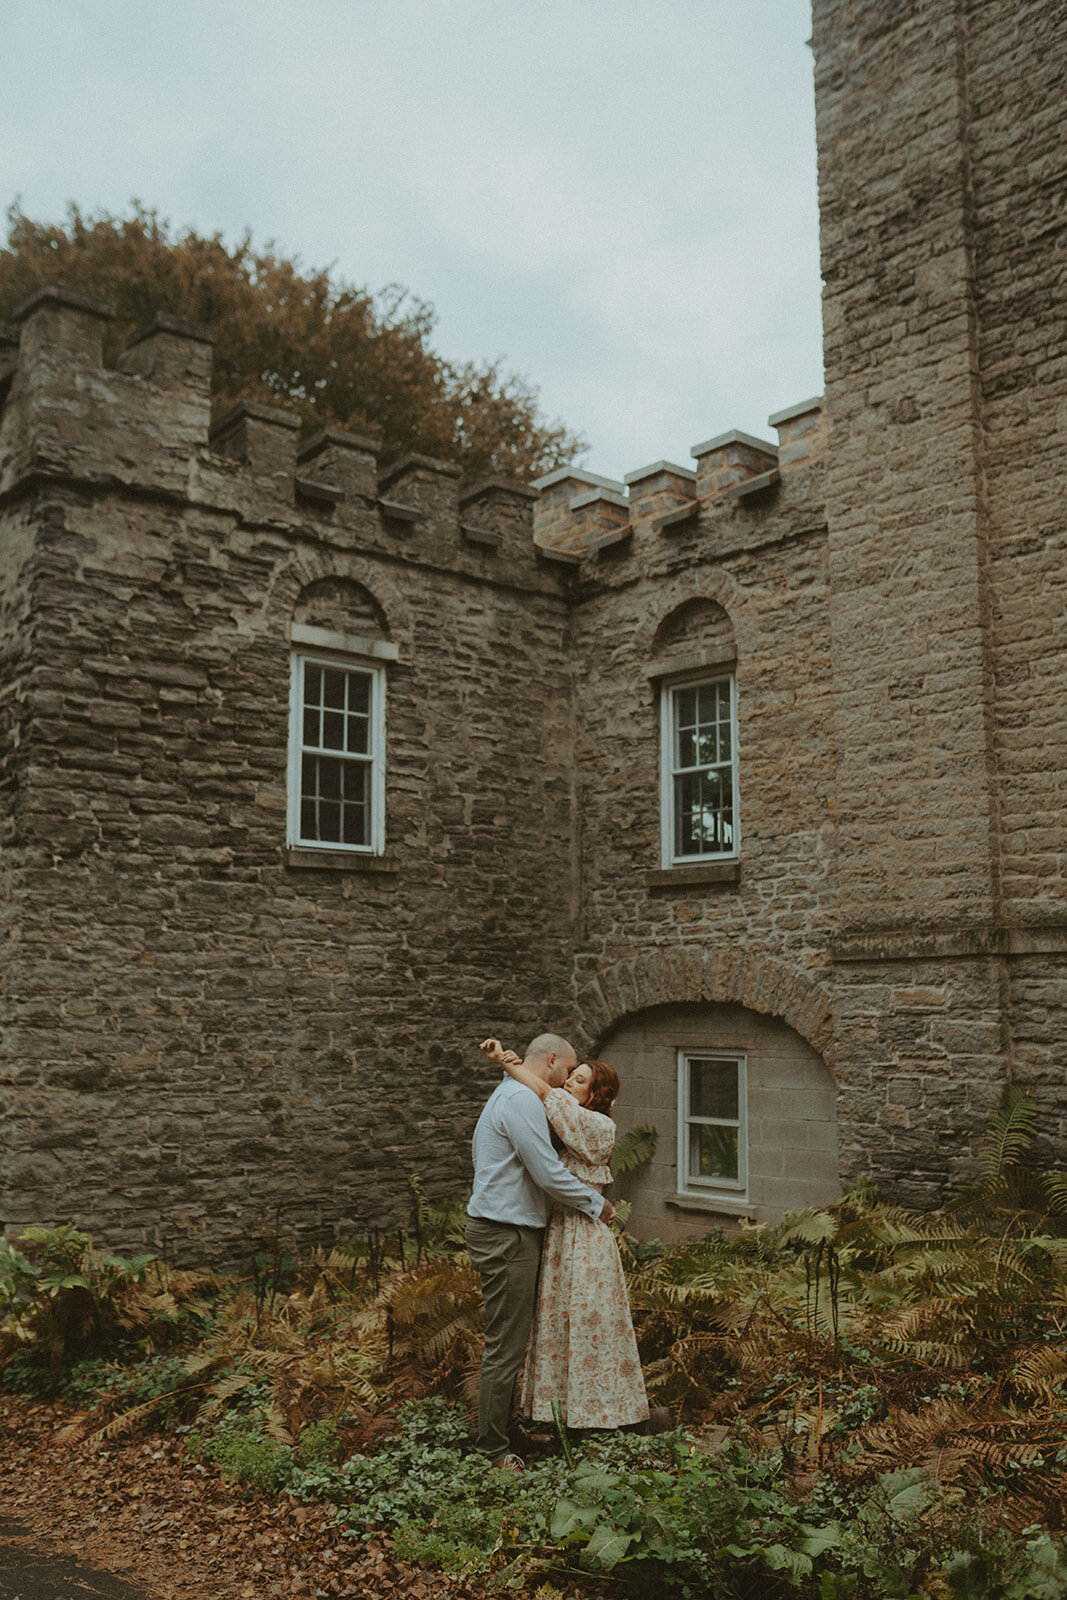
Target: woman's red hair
[[603, 1086]]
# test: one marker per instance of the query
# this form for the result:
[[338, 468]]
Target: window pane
[[713, 1089], [356, 823], [358, 734], [329, 778], [685, 708], [312, 686], [333, 730], [329, 821], [724, 741], [354, 775], [333, 688], [708, 700], [712, 1152], [359, 693], [706, 748], [686, 748], [311, 725]]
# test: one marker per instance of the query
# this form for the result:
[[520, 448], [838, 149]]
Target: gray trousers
[[507, 1259]]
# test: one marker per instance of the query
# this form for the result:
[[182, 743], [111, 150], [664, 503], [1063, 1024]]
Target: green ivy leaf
[[569, 1518], [814, 1541], [606, 1548]]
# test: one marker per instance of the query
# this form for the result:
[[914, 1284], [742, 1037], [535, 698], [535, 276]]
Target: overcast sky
[[617, 196]]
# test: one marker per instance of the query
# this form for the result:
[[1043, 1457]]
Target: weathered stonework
[[205, 1030]]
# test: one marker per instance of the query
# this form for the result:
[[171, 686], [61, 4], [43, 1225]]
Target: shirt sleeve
[[527, 1127], [589, 1134]]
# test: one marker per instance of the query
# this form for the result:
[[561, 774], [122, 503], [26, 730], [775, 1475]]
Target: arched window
[[699, 802]]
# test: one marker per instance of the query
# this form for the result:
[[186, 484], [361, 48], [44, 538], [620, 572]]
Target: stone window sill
[[720, 1205], [698, 876], [340, 861]]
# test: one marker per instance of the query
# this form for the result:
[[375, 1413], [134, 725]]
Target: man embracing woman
[[538, 1235]]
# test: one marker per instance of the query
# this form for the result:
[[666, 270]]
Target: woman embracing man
[[538, 1235]]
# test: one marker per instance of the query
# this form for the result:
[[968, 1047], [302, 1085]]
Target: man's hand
[[608, 1213]]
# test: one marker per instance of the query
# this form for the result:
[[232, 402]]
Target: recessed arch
[[722, 974], [342, 605], [744, 1109], [715, 585], [307, 568], [698, 624]]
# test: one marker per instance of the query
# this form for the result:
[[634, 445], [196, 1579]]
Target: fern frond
[[635, 1149], [1010, 1133], [810, 1226], [933, 1353], [1042, 1371], [128, 1419], [1054, 1185]]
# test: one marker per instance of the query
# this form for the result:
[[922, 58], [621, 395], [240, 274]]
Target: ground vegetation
[[869, 1402]]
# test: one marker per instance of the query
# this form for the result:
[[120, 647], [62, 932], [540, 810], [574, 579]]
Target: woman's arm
[[586, 1133], [514, 1065]]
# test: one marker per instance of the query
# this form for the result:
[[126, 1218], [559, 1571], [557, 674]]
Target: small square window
[[698, 801], [336, 756], [712, 1124]]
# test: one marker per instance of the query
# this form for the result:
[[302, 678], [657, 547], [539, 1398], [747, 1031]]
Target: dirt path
[[140, 1517], [30, 1571]]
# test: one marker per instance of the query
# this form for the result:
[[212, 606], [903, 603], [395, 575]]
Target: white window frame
[[668, 770], [366, 667], [734, 1188]]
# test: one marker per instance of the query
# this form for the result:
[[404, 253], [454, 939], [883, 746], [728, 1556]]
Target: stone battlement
[[146, 425], [583, 513]]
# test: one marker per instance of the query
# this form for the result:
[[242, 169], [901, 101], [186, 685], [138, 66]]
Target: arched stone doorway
[[745, 1112]]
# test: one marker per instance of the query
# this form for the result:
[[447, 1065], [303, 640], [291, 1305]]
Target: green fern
[[635, 1149], [1010, 1134]]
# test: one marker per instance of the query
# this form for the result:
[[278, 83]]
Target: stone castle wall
[[205, 1030]]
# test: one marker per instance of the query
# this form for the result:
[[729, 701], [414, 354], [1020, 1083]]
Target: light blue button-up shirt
[[517, 1173]]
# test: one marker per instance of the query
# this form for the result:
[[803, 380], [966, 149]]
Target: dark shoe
[[529, 1438], [659, 1420]]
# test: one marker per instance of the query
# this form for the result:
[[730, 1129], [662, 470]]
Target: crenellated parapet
[[145, 425], [582, 514]]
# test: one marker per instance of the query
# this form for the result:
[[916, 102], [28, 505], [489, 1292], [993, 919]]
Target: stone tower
[[942, 169]]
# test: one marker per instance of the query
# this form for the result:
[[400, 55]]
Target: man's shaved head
[[552, 1058], [545, 1043]]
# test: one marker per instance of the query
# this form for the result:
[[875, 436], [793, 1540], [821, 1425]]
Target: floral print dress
[[582, 1351]]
